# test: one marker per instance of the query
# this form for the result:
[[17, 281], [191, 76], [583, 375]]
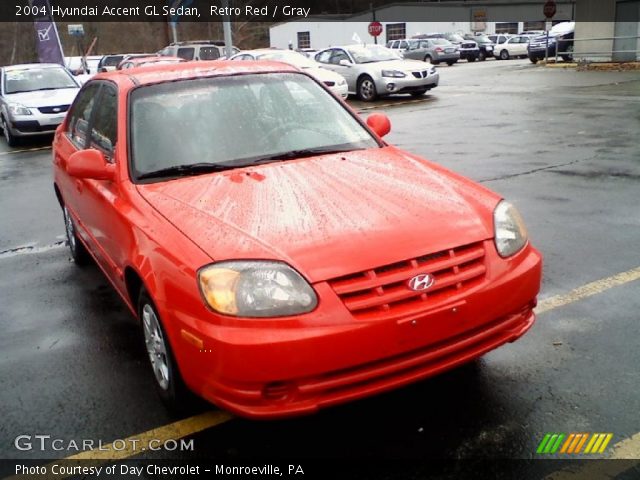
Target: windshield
[[372, 53], [236, 121], [482, 39], [33, 79], [292, 58], [454, 37]]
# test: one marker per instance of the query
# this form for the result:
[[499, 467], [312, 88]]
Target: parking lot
[[561, 145]]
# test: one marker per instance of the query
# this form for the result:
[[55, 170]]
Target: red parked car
[[281, 257]]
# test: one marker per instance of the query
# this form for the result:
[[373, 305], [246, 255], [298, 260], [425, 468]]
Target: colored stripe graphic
[[573, 443]]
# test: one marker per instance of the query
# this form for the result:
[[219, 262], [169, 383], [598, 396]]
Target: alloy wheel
[[156, 347]]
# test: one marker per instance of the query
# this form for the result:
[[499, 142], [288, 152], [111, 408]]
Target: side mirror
[[344, 62], [90, 164], [379, 123]]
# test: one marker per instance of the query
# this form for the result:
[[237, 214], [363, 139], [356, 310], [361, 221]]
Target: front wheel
[[78, 251], [504, 55], [533, 59], [165, 371], [482, 57], [367, 89], [450, 63], [11, 139]]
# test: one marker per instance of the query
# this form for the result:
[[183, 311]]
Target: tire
[[569, 57], [471, 59], [504, 55], [533, 59], [427, 58], [78, 251], [167, 379], [367, 89], [11, 139], [450, 63], [481, 56], [419, 93]]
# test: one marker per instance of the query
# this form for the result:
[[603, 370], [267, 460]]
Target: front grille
[[383, 292], [54, 109], [422, 74], [468, 45]]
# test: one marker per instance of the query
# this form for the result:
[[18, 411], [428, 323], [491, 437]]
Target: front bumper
[[36, 124], [467, 54], [328, 357], [408, 84]]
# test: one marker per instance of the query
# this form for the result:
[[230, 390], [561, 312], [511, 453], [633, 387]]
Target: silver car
[[433, 50], [373, 70], [34, 99]]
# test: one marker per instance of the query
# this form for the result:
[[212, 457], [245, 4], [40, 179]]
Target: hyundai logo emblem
[[421, 282], [56, 109]]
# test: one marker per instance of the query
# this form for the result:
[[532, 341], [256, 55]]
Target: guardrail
[[607, 53]]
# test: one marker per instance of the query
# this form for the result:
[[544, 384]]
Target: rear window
[[112, 61]]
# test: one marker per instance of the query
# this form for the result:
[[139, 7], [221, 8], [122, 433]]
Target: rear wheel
[[76, 247], [450, 63], [11, 139], [367, 89], [471, 59], [165, 371], [504, 55], [427, 58]]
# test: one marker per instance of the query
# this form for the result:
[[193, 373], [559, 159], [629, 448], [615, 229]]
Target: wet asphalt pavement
[[562, 145]]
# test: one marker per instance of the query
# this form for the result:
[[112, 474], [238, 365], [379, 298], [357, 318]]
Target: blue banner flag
[[47, 39]]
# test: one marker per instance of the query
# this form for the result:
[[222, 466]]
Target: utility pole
[[226, 26]]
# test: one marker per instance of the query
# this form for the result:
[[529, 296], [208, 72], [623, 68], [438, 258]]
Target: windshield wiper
[[293, 154], [185, 170]]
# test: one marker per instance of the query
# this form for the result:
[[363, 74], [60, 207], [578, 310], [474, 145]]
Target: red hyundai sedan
[[280, 256]]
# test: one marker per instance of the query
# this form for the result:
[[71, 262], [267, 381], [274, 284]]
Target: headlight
[[256, 289], [510, 232], [432, 70], [17, 109], [342, 81], [393, 73]]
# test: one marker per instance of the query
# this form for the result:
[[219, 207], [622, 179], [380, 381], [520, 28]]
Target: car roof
[[191, 70]]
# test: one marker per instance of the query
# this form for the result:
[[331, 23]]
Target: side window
[[105, 121], [338, 55], [323, 57], [186, 53], [80, 114], [404, 44], [395, 44]]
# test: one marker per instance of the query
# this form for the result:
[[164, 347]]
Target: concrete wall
[[604, 11]]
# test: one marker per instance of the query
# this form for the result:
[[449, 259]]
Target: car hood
[[43, 98], [328, 216]]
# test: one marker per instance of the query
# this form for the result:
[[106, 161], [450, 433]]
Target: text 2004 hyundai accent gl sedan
[[280, 256]]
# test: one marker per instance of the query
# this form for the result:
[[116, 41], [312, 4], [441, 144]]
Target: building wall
[[603, 10], [435, 18]]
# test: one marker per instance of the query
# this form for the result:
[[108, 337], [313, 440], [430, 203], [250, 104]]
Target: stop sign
[[375, 29], [549, 9]]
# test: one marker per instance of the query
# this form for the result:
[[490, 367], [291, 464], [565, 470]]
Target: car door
[[71, 137], [101, 206], [349, 72]]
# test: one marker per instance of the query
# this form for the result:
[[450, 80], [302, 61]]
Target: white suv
[[196, 50]]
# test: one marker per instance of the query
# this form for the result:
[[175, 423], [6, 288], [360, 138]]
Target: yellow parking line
[[629, 448], [588, 290], [36, 149]]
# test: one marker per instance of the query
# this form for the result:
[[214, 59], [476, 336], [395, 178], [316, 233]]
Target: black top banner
[[178, 11]]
